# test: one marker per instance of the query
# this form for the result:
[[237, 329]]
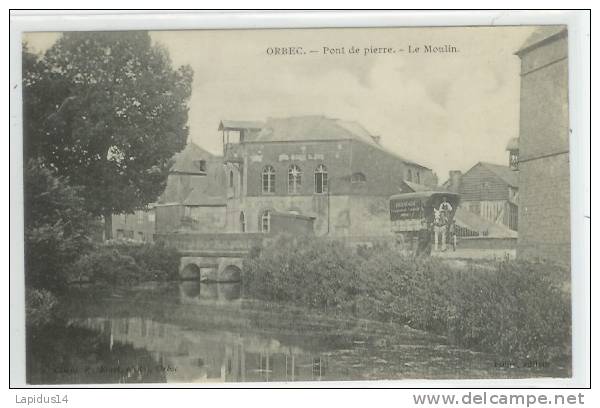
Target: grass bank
[[516, 309]]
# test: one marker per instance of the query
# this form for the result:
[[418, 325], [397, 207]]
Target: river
[[190, 332]]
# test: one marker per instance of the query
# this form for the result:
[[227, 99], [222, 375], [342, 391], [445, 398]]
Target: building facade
[[195, 195], [330, 170], [138, 226], [544, 212], [490, 191], [194, 199]]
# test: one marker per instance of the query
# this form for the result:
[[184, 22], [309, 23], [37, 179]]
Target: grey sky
[[445, 111]]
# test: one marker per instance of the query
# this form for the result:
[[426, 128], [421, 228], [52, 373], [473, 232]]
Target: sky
[[446, 111]]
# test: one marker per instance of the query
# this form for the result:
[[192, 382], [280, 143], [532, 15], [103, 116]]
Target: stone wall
[[138, 226], [336, 215], [544, 210], [544, 221], [361, 178]]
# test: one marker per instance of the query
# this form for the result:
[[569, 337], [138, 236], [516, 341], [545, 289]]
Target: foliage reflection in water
[[193, 332]]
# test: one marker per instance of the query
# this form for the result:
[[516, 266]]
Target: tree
[[57, 227], [108, 111]]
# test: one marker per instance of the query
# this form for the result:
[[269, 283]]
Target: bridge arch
[[231, 273], [190, 271]]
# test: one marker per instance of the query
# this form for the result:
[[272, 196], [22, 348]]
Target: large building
[[544, 215], [330, 170], [329, 176]]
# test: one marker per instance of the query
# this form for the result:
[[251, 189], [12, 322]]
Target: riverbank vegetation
[[511, 308], [127, 263]]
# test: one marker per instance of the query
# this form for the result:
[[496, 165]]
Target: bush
[[302, 270], [125, 263], [516, 309], [107, 266], [40, 305], [156, 260]]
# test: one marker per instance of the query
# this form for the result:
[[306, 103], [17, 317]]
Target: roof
[[513, 144], [425, 194], [312, 127], [415, 187], [240, 124], [319, 127], [206, 188], [510, 177], [541, 35], [474, 222], [185, 160], [199, 197]]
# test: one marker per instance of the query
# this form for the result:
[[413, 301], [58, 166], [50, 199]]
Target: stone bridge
[[211, 257]]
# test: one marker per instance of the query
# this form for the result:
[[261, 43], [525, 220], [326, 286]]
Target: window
[[201, 165], [409, 175], [294, 179], [514, 159], [231, 179], [140, 217], [321, 179], [268, 180], [418, 178], [358, 178], [265, 222], [242, 222], [151, 216]]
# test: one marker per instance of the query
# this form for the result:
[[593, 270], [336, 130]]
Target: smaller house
[[490, 191], [138, 226], [195, 196]]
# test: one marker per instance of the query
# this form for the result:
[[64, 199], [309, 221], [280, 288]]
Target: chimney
[[376, 139], [455, 180]]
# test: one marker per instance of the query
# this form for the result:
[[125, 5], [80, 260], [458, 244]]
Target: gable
[[482, 184]]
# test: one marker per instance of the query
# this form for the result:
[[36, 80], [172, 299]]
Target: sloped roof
[[205, 188], [415, 187], [240, 124], [185, 160], [540, 34], [474, 222], [319, 127], [312, 127], [510, 177]]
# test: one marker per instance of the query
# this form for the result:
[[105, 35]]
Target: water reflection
[[197, 356], [191, 355], [196, 292], [197, 332]]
